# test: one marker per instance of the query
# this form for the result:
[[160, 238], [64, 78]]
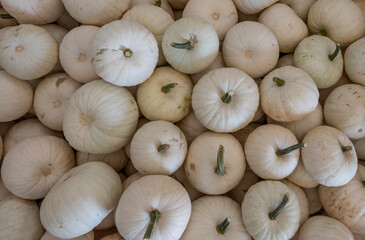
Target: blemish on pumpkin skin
[[100, 51], [192, 166], [360, 130], [215, 16], [249, 53], [56, 104], [19, 49]]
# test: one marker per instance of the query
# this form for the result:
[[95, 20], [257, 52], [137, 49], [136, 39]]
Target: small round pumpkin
[[355, 60], [253, 6], [300, 7], [313, 199], [117, 160], [301, 177], [127, 148], [286, 60], [164, 4]]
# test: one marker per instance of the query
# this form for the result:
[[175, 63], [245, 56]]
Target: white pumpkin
[[215, 163], [34, 11], [127, 148], [343, 21], [87, 236], [222, 14], [51, 98], [67, 22], [124, 53], [16, 97], [158, 147], [218, 63], [270, 210], [253, 6], [97, 12], [300, 7], [107, 223], [100, 118], [287, 27], [301, 177], [191, 127], [74, 56], [131, 179], [286, 60], [251, 47], [225, 100], [321, 58], [215, 217], [272, 151], [19, 218], [166, 95], [326, 228], [86, 194], [117, 160], [299, 89], [164, 4], [329, 157], [238, 192], [154, 207], [324, 93], [180, 176], [344, 109], [355, 60], [313, 199], [28, 51], [6, 20], [190, 45]]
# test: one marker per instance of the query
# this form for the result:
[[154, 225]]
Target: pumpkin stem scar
[[322, 32], [163, 148], [158, 3], [167, 88], [6, 16], [154, 217], [127, 53], [227, 98], [187, 45], [346, 148], [221, 228], [273, 215], [335, 53], [220, 161], [287, 150], [279, 82]]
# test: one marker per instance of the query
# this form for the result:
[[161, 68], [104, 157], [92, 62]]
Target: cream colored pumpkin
[[343, 21], [330, 156], [34, 11], [287, 27], [155, 19], [166, 95], [124, 53], [323, 227], [97, 12], [191, 127], [117, 160], [16, 97], [190, 45], [249, 179], [127, 148], [300, 7], [251, 47], [86, 194], [344, 109], [28, 51], [178, 4], [4, 192], [164, 4], [68, 22], [301, 127], [100, 118], [215, 163], [115, 236], [154, 207], [25, 129], [131, 179], [218, 63], [222, 14], [5, 20], [19, 218], [180, 176], [253, 6], [158, 147], [209, 219], [359, 145], [288, 94], [301, 177], [321, 58], [270, 210], [286, 60], [355, 61], [225, 100], [87, 236], [74, 56], [51, 98], [313, 199], [324, 93], [107, 223], [272, 151]]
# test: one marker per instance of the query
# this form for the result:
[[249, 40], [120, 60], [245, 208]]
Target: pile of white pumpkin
[[134, 119]]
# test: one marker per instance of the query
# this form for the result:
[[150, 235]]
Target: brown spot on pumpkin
[[59, 81], [100, 51], [82, 57], [249, 53], [215, 16], [60, 227], [360, 130], [19, 49], [86, 120], [56, 104], [192, 166], [46, 171]]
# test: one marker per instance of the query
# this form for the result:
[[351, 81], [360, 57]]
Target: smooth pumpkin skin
[[253, 6], [191, 127], [117, 160], [164, 5], [323, 227], [313, 199], [127, 148], [300, 7], [87, 236], [355, 61]]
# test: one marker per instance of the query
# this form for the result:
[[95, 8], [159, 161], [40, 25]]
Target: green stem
[[227, 98], [154, 217], [346, 149], [128, 53], [163, 148], [322, 32], [187, 45], [273, 215], [363, 183], [287, 150], [158, 3], [335, 53], [168, 87], [279, 82], [220, 161], [221, 228], [6, 16]]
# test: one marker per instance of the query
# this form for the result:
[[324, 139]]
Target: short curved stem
[[227, 98], [346, 149], [322, 32], [6, 16], [167, 88], [158, 3], [335, 53], [220, 161], [273, 215], [154, 217], [189, 45], [127, 53], [287, 150], [163, 148], [279, 82], [221, 228]]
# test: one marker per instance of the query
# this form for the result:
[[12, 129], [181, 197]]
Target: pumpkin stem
[[273, 215], [163, 148], [154, 217], [6, 16], [335, 53], [168, 87], [346, 149], [187, 45], [128, 53], [322, 32], [158, 3], [287, 150], [227, 98], [363, 183], [220, 162], [221, 228], [279, 82]]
